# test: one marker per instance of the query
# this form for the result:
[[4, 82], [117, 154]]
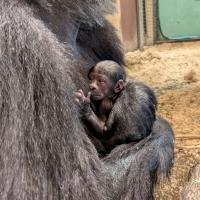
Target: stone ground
[[173, 70]]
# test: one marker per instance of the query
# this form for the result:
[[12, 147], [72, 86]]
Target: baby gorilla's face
[[101, 85]]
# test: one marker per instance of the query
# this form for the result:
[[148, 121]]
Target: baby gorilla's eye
[[101, 81]]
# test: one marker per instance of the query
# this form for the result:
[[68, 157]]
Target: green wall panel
[[179, 19]]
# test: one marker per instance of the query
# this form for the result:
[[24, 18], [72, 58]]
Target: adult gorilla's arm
[[140, 166]]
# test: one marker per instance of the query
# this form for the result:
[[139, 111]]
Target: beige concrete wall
[[125, 21]]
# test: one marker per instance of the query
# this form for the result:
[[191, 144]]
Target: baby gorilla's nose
[[92, 86]]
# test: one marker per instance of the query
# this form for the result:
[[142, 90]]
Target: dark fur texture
[[44, 151], [137, 102]]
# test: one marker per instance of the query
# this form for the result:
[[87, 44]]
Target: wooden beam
[[140, 14]]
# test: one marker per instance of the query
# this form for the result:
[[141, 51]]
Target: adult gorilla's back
[[46, 48]]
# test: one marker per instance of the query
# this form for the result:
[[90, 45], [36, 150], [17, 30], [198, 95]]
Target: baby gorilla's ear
[[119, 86]]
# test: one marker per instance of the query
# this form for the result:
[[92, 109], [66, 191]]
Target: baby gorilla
[[106, 112]]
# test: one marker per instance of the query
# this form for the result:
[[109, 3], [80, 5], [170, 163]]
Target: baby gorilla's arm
[[97, 124], [87, 112]]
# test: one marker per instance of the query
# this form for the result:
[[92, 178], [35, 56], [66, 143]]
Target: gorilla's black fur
[[46, 48]]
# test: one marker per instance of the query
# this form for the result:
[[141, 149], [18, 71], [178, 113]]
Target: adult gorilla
[[46, 48]]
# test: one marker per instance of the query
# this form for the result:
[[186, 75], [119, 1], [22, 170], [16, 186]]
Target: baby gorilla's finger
[[77, 101], [78, 94], [88, 95], [109, 122], [81, 91], [105, 128]]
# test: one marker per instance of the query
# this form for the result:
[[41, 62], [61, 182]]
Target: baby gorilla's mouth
[[94, 93], [95, 96]]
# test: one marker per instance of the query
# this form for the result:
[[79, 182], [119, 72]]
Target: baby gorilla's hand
[[83, 102], [109, 122]]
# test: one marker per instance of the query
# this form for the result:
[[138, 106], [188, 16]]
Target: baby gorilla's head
[[106, 80]]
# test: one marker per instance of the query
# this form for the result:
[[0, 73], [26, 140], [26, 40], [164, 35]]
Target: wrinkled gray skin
[[46, 49]]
